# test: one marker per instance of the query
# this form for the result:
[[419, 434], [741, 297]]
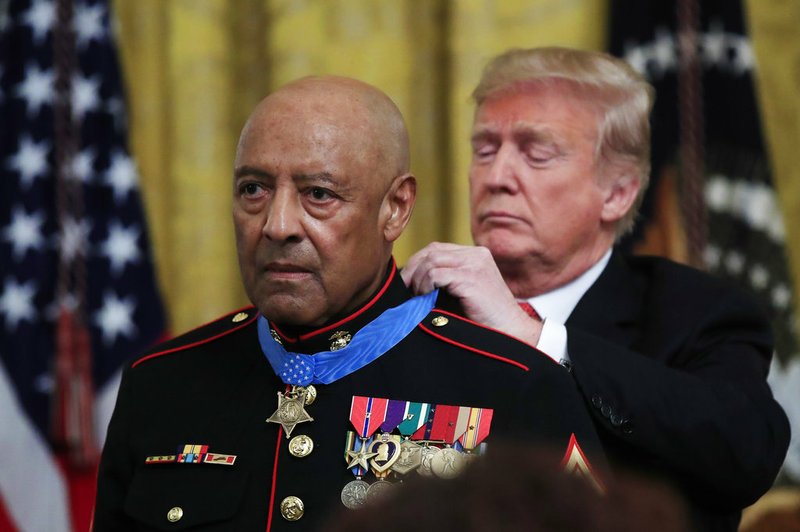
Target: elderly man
[[671, 362], [338, 383]]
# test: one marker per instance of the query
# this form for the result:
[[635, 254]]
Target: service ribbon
[[480, 422], [414, 418]]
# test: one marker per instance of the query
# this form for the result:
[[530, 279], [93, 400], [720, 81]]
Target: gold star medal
[[360, 458], [291, 411]]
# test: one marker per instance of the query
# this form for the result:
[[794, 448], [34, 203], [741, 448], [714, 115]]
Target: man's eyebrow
[[524, 132], [483, 133], [325, 177], [521, 131], [250, 171]]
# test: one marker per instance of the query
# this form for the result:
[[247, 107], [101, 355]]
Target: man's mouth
[[286, 270], [497, 216]]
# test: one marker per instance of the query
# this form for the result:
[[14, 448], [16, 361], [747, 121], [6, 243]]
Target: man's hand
[[470, 274]]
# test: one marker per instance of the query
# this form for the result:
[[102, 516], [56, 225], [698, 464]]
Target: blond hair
[[624, 97]]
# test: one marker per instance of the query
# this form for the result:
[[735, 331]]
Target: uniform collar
[[391, 293]]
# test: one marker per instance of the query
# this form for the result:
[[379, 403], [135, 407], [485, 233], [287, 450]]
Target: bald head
[[357, 113], [321, 192]]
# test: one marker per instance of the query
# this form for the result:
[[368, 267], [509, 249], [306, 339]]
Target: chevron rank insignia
[[576, 463]]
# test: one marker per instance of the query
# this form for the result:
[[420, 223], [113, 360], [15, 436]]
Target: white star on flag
[[30, 161], [16, 303], [40, 17], [664, 52], [115, 318], [88, 24], [36, 89], [24, 232], [121, 175], [744, 59], [715, 45], [85, 95], [122, 246]]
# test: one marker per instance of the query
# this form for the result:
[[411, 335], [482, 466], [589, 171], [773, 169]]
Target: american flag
[[746, 241], [77, 289]]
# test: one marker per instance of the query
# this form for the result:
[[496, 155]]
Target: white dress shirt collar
[[558, 304]]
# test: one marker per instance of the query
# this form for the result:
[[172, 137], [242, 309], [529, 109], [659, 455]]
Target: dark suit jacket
[[213, 386], [673, 363]]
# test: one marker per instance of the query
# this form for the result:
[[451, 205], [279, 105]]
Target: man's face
[[534, 191], [306, 205]]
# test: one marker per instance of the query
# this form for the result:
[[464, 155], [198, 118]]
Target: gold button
[[174, 515], [292, 508], [439, 321], [301, 446], [241, 316]]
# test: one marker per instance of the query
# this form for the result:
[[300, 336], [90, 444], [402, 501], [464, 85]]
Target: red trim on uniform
[[200, 342], [474, 349], [274, 479], [360, 311], [462, 318]]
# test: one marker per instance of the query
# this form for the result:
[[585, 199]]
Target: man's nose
[[284, 217], [501, 175]]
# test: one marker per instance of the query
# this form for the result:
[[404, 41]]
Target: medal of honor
[[291, 410]]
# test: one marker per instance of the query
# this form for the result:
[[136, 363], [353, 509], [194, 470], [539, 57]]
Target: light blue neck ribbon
[[372, 341]]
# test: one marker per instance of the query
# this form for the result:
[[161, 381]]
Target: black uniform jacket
[[214, 387], [673, 363]]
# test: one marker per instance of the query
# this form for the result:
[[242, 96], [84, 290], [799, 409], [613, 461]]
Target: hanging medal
[[366, 415], [386, 447], [410, 457], [354, 493], [423, 434], [291, 409], [448, 462]]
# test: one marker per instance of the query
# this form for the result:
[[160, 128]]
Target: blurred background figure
[[515, 488]]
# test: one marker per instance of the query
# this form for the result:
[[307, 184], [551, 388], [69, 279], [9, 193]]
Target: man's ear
[[397, 206], [620, 193]]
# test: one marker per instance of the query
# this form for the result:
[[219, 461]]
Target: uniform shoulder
[[466, 334], [204, 334]]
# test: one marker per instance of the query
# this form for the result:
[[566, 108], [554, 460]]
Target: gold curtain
[[195, 68], [773, 25]]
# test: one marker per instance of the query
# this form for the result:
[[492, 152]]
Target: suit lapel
[[611, 308]]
